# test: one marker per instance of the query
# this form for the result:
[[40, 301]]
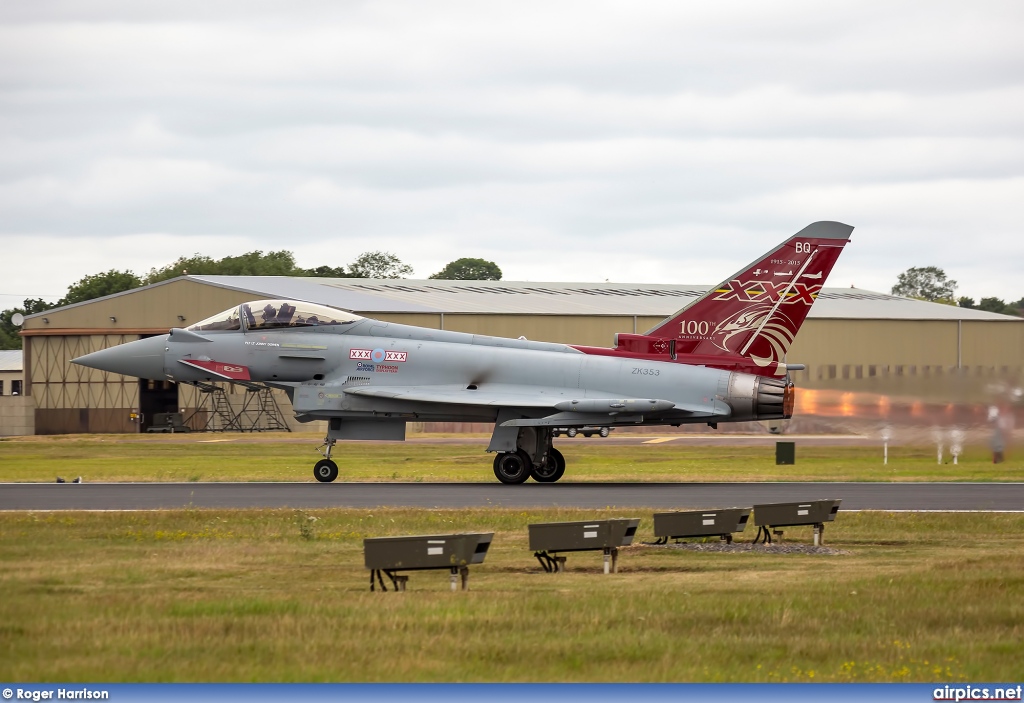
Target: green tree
[[925, 283], [997, 305], [9, 337], [195, 264], [99, 285], [378, 264], [467, 269], [993, 305], [253, 263], [256, 263], [326, 272]]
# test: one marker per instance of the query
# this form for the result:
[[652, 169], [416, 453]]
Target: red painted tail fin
[[757, 312]]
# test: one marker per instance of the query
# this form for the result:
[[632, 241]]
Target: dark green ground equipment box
[[547, 539], [700, 523], [809, 512], [785, 453], [414, 553]]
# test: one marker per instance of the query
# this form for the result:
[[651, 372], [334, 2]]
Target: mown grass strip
[[195, 595], [113, 458]]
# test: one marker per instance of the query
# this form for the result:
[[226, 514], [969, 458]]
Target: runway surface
[[855, 496]]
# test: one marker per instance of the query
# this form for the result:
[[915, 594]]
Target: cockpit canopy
[[275, 314]]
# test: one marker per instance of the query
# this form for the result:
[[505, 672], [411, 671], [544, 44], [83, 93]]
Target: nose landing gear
[[326, 470]]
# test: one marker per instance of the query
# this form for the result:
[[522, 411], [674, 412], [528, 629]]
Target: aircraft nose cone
[[143, 358]]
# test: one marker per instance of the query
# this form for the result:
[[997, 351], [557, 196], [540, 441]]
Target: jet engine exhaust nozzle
[[759, 397], [774, 399]]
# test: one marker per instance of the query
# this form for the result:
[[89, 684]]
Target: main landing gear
[[512, 467], [551, 469], [516, 467], [534, 457], [326, 470]]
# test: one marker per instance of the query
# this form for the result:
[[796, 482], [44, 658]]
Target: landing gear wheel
[[512, 467], [325, 471], [552, 470]]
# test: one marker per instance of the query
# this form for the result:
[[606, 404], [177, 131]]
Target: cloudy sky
[[662, 142]]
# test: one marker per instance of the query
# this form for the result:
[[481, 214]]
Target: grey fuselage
[[316, 366], [475, 376]]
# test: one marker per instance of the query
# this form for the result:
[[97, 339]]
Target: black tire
[[552, 470], [512, 467], [325, 471]]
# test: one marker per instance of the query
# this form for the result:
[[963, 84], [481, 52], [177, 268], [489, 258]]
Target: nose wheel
[[326, 470]]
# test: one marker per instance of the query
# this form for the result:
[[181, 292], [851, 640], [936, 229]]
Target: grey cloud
[[660, 140]]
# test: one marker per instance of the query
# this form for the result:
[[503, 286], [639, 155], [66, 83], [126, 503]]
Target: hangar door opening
[[156, 398]]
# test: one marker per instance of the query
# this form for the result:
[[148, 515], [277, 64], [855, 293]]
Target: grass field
[[278, 458], [282, 596]]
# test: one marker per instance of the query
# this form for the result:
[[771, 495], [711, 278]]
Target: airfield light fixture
[[549, 539]]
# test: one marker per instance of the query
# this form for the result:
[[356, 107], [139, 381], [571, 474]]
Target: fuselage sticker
[[376, 368], [378, 355]]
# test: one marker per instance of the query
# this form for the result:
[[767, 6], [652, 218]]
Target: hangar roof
[[11, 360], [369, 296]]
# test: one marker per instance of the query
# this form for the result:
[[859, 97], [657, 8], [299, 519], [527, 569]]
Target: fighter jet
[[722, 358]]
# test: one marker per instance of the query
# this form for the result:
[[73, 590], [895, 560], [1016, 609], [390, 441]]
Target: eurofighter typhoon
[[722, 358]]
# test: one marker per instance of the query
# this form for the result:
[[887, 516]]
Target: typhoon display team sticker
[[377, 360]]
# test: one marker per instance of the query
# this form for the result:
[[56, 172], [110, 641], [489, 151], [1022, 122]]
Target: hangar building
[[12, 376], [16, 410], [852, 339]]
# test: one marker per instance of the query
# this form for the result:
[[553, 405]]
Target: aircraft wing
[[571, 401]]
